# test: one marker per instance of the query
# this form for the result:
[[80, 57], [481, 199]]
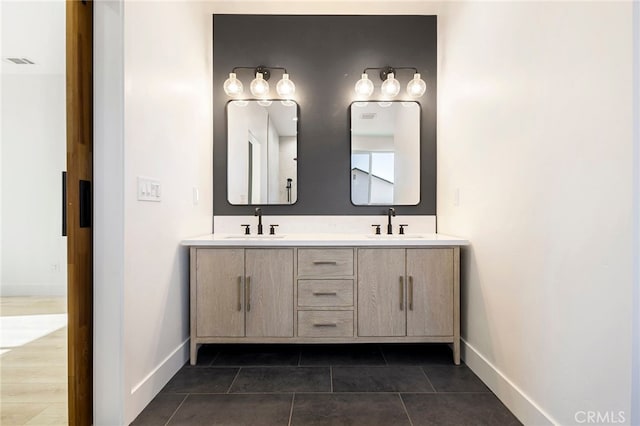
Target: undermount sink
[[395, 237], [253, 237]]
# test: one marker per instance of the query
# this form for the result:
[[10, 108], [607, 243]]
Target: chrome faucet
[[258, 213], [390, 212]]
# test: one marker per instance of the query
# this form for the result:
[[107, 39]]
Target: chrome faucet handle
[[272, 231], [377, 229], [247, 229], [402, 228]]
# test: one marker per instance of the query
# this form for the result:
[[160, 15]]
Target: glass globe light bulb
[[285, 87], [232, 86], [364, 86], [416, 87], [259, 86], [391, 86]]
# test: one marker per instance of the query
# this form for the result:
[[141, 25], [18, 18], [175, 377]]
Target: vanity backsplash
[[308, 224]]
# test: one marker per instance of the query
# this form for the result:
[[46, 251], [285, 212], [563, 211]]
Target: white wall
[[534, 130], [168, 136], [159, 96], [635, 384], [406, 141], [272, 165], [237, 154], [33, 252], [371, 143], [109, 392]]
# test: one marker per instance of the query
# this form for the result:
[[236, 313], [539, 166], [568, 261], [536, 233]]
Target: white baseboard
[[520, 404], [143, 392]]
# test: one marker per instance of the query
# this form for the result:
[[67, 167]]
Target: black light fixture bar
[[263, 69], [389, 70]]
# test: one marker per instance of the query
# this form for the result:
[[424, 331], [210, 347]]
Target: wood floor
[[33, 361]]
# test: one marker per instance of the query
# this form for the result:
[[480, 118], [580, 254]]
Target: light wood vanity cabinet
[[240, 294], [405, 292], [325, 295]]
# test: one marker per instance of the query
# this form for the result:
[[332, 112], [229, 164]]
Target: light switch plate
[[149, 189]]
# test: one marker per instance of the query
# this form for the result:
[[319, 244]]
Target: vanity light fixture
[[364, 86], [285, 87], [390, 85], [259, 86]]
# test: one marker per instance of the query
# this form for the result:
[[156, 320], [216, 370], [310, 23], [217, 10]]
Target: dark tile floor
[[325, 385]]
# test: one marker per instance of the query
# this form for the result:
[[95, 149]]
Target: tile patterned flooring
[[33, 374], [325, 385]]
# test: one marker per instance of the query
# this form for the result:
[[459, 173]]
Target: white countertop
[[423, 240]]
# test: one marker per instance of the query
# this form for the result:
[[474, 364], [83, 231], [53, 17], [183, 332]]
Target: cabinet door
[[269, 287], [381, 295], [430, 285], [219, 292]]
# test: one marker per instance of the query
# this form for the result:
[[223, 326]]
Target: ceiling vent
[[368, 115], [20, 61]]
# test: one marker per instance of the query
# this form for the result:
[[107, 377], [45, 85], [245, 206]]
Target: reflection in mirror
[[385, 153], [262, 150]]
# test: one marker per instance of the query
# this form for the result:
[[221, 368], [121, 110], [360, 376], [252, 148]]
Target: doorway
[[33, 251], [45, 216]]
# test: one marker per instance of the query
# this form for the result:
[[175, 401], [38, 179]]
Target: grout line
[[214, 358], [176, 410], [428, 381], [293, 400], [382, 353], [331, 377], [405, 408], [234, 380]]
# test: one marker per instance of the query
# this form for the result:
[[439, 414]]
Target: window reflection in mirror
[[385, 153], [262, 148]]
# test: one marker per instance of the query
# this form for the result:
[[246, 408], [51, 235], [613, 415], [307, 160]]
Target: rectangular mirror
[[262, 150], [385, 153]]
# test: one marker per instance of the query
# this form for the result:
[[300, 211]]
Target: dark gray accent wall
[[325, 56]]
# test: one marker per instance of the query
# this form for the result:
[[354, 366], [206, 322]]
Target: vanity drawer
[[325, 323], [325, 292], [325, 262]]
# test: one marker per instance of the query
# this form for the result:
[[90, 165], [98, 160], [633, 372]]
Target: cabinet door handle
[[326, 324], [248, 293], [239, 293], [410, 293], [325, 262], [402, 293], [325, 293]]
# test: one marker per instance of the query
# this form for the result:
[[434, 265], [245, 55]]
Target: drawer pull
[[325, 262], [402, 293], [325, 324], [248, 293], [239, 293], [410, 293], [325, 293]]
